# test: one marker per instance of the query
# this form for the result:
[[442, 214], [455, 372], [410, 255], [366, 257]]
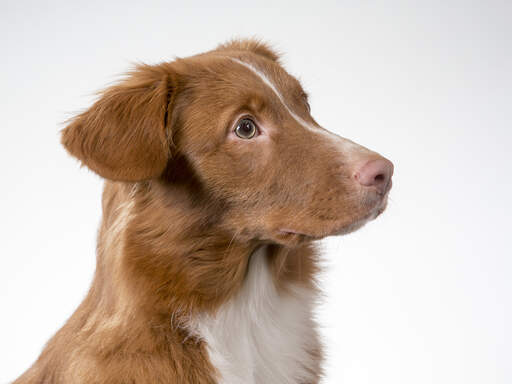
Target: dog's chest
[[262, 336]]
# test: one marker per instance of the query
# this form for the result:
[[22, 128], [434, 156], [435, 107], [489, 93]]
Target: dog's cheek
[[236, 164]]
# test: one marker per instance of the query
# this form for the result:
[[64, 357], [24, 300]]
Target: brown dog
[[217, 182]]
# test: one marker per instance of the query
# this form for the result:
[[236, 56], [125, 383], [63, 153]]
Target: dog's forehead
[[249, 71], [238, 80], [283, 87], [271, 74]]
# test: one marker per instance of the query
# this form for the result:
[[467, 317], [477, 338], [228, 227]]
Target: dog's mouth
[[292, 235]]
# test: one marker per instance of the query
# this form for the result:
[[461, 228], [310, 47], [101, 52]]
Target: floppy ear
[[123, 135]]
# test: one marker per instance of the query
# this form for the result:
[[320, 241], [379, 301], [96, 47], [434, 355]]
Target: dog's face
[[240, 126]]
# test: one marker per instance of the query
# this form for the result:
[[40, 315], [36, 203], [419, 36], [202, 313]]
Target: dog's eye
[[246, 129]]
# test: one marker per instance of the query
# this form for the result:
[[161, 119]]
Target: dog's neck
[[164, 279], [158, 254]]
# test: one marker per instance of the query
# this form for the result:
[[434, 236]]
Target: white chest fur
[[262, 336]]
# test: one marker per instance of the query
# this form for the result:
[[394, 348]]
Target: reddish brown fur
[[185, 205]]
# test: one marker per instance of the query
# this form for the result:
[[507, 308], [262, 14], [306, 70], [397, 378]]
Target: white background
[[421, 295]]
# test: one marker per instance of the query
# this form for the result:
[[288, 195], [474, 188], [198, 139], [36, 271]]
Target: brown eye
[[246, 129]]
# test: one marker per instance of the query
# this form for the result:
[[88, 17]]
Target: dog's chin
[[293, 237], [357, 224]]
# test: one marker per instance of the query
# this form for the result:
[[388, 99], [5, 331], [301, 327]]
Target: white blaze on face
[[348, 147]]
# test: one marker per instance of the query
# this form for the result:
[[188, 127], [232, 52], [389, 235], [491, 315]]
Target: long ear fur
[[123, 135]]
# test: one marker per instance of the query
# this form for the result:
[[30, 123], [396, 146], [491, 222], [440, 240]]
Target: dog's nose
[[376, 173]]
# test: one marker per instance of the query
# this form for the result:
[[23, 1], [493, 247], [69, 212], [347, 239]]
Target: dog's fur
[[205, 264]]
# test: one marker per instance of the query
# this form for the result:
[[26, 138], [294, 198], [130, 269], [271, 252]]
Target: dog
[[218, 182]]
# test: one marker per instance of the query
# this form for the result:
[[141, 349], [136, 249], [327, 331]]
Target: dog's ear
[[124, 135]]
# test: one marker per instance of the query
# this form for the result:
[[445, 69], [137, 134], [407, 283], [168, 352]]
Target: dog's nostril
[[380, 177], [376, 173]]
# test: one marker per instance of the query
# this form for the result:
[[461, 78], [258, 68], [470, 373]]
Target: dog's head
[[232, 126]]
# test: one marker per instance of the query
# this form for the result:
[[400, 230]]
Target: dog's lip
[[331, 230], [339, 228], [289, 231], [289, 236]]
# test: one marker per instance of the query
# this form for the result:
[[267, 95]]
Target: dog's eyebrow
[[271, 85]]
